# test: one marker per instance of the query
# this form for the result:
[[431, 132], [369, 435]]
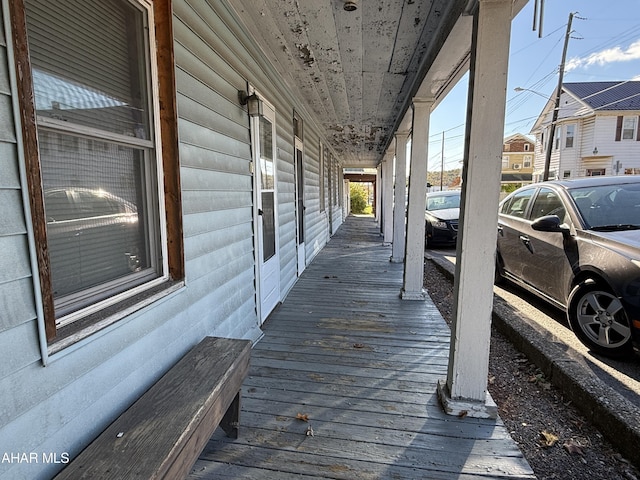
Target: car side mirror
[[550, 223]]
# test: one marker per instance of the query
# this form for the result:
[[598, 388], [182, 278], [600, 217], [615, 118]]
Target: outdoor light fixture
[[350, 5], [253, 103], [595, 151]]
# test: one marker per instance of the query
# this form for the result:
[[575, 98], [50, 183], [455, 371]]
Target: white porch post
[[378, 194], [465, 390], [387, 199], [414, 257], [399, 191]]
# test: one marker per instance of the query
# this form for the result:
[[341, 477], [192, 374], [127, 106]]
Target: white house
[[597, 132]]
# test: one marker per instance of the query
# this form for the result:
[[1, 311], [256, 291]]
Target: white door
[[300, 208], [263, 133]]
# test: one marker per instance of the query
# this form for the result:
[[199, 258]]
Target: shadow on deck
[[361, 364]]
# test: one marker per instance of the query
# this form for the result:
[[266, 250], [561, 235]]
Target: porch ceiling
[[358, 70]]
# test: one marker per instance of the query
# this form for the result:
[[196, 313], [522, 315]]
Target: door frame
[[298, 167], [264, 309]]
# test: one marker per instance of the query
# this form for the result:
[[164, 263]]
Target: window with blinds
[[99, 162]]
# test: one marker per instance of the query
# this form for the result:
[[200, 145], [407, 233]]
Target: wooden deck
[[345, 351]]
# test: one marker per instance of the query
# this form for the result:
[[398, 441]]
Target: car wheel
[[598, 319], [427, 243]]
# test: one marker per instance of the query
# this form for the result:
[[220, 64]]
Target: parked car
[[576, 244], [441, 218], [93, 237]]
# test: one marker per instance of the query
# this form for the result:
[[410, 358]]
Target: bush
[[359, 194]]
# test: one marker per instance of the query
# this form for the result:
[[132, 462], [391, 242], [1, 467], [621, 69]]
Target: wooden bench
[[162, 434]]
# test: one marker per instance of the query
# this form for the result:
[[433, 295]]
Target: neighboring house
[[517, 160], [597, 132]]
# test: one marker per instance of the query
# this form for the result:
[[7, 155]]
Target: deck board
[[362, 364]]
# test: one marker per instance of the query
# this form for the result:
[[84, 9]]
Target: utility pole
[[442, 162], [554, 119]]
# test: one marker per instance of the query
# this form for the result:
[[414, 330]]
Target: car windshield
[[609, 207], [440, 202]]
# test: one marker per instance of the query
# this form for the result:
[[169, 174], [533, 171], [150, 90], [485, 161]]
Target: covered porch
[[343, 384]]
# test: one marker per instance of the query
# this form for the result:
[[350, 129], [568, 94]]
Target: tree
[[359, 197], [450, 178]]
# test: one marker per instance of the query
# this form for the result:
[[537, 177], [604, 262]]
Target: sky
[[604, 45]]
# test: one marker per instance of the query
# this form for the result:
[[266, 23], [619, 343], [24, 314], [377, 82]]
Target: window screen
[[90, 67]]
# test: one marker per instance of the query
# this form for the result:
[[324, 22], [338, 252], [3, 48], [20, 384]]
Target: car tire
[[598, 319], [427, 243]]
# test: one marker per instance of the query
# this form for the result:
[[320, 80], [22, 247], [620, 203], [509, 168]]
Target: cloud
[[609, 55]]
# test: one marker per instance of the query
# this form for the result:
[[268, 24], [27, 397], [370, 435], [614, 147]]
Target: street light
[[520, 89]]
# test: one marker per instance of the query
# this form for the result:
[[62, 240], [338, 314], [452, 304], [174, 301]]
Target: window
[[527, 147], [527, 161], [595, 172], [556, 143], [566, 174], [632, 171], [505, 161], [297, 126], [569, 136], [629, 127], [517, 205], [546, 203], [101, 168]]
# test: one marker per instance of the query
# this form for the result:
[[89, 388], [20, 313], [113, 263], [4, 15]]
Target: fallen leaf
[[548, 439], [303, 416], [463, 414], [358, 345], [573, 447]]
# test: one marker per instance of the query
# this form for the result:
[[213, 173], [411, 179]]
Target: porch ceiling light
[[350, 5], [253, 103]]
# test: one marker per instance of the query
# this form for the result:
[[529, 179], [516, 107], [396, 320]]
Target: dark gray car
[[576, 243], [441, 218]]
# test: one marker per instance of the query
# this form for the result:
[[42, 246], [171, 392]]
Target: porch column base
[[461, 407], [421, 295], [396, 259]]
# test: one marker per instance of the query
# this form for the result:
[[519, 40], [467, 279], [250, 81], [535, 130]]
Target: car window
[[548, 202], [607, 205], [516, 206], [440, 202], [95, 203], [59, 206]]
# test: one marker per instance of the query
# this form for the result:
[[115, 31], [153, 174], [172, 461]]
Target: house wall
[[59, 408], [593, 130], [627, 152]]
